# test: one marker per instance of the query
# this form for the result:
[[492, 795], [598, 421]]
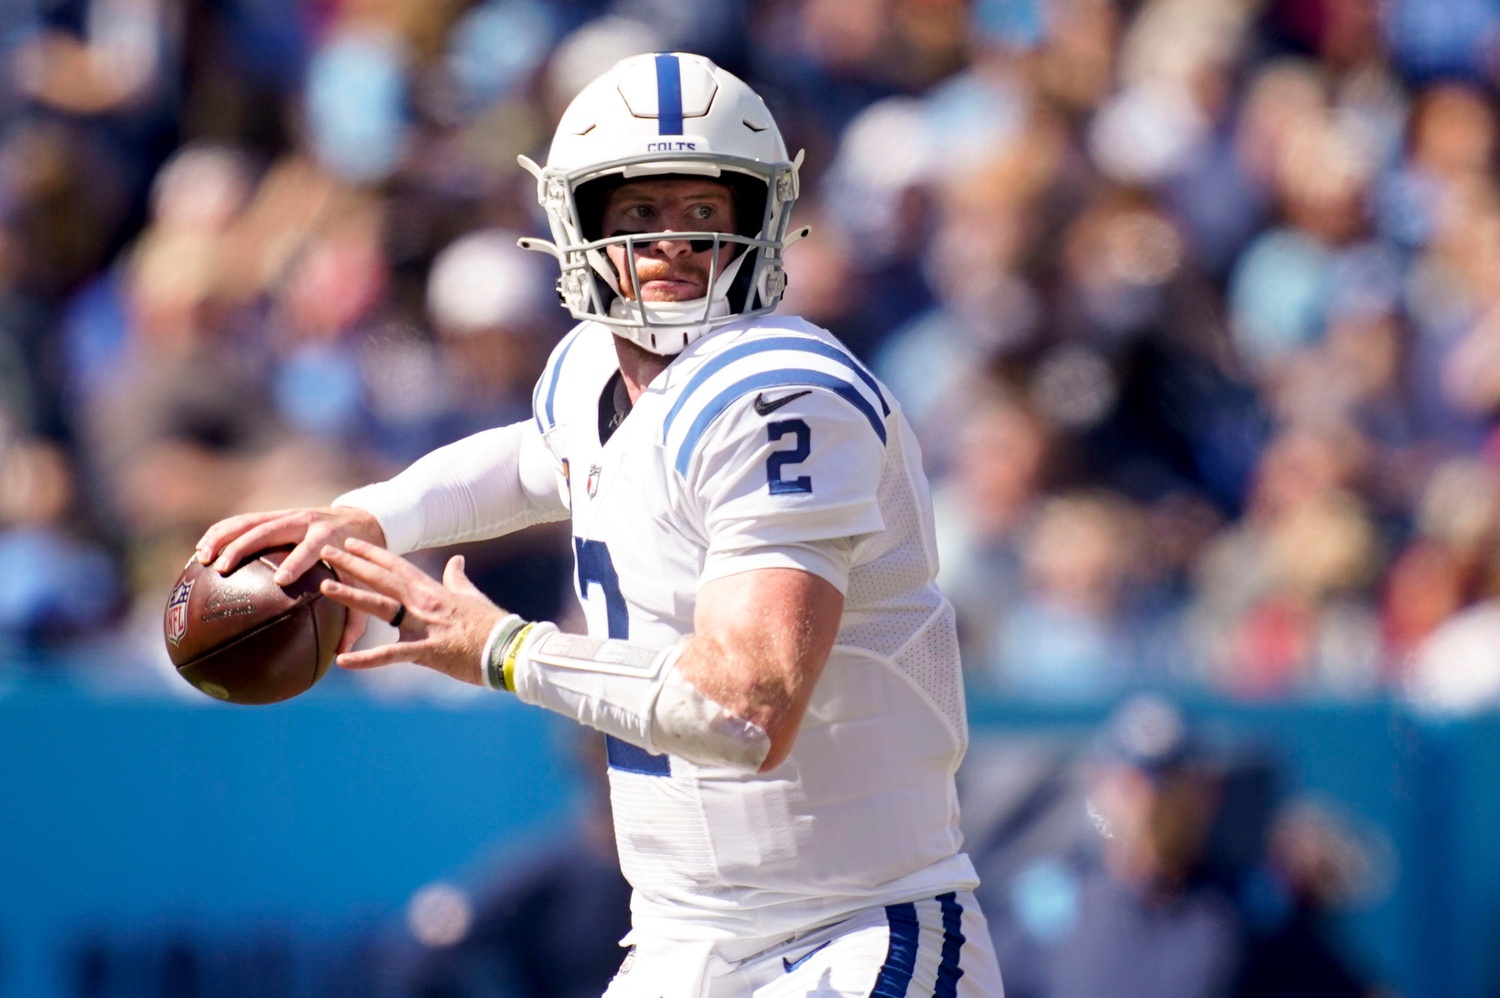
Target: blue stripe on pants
[[953, 943], [901, 958]]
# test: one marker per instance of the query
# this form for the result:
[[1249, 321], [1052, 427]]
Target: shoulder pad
[[762, 364]]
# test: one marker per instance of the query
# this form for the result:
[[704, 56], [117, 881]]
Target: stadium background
[[1195, 305]]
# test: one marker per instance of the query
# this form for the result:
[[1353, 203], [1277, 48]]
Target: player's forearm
[[760, 643], [766, 685], [632, 692], [485, 485], [732, 695]]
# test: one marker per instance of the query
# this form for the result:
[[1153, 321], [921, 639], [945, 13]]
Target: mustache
[[647, 270]]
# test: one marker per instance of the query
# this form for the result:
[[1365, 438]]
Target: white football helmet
[[664, 114]]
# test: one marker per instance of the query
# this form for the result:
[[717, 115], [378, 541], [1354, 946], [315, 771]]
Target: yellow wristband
[[494, 651], [512, 649]]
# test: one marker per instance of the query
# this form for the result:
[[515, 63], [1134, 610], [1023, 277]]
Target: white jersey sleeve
[[794, 485], [484, 485]]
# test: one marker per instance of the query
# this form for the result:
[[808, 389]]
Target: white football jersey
[[759, 441]]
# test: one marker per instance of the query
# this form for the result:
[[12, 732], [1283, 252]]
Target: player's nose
[[670, 247]]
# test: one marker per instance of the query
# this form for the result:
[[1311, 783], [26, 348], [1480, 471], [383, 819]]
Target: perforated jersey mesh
[[932, 661], [893, 608]]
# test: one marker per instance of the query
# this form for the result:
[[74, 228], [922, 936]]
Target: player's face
[[669, 269]]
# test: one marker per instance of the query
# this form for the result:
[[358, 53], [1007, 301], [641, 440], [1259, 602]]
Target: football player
[[775, 672]]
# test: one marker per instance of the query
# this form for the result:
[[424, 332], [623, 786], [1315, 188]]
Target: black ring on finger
[[399, 615]]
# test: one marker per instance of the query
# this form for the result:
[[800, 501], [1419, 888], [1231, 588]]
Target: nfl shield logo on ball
[[177, 611]]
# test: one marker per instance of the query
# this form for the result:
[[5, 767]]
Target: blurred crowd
[[1195, 304], [1164, 861]]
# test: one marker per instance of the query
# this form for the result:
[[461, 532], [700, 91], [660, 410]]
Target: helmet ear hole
[[749, 196]]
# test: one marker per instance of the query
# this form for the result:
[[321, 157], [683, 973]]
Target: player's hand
[[445, 624], [231, 541]]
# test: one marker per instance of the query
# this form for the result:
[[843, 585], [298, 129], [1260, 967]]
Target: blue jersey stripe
[[552, 385], [783, 378], [901, 956], [953, 943], [805, 344], [634, 759], [668, 95]]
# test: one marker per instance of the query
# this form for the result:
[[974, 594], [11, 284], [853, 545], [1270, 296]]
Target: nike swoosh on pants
[[791, 965]]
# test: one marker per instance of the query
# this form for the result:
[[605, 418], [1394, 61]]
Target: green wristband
[[493, 661]]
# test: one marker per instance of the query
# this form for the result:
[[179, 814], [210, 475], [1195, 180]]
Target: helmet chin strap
[[661, 326], [672, 313]]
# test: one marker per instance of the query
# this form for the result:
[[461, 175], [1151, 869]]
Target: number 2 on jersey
[[801, 447]]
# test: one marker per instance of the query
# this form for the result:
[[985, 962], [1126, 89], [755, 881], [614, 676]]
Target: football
[[242, 638]]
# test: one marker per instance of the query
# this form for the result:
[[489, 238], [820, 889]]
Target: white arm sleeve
[[636, 694], [484, 485]]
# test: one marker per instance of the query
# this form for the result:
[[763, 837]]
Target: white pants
[[939, 947]]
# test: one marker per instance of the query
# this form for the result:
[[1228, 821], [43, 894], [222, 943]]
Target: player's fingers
[[302, 557], [403, 577], [283, 529], [375, 604], [456, 580], [352, 566], [393, 563], [226, 530], [371, 658], [354, 629]]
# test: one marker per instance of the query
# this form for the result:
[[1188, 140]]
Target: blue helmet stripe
[[668, 95], [803, 343], [785, 378]]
